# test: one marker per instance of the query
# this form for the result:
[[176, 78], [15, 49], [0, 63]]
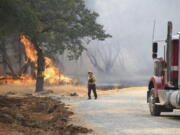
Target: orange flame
[[51, 73], [24, 79], [30, 50]]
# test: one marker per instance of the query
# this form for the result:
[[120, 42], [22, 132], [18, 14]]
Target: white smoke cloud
[[130, 22]]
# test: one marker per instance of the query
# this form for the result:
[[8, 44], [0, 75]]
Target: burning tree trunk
[[45, 69], [35, 55], [40, 68]]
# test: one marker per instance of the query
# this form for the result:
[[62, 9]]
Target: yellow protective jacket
[[92, 80]]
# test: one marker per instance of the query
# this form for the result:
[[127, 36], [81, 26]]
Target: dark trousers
[[92, 87]]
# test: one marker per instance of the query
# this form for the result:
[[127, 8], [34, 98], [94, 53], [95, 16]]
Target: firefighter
[[91, 85]]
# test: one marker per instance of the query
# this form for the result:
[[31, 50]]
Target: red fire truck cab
[[163, 93]]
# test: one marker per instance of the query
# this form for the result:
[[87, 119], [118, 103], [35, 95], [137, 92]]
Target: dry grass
[[63, 90], [16, 88]]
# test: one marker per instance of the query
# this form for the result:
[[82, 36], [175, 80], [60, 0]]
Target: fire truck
[[163, 93]]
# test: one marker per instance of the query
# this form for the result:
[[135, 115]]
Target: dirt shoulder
[[36, 116], [63, 90]]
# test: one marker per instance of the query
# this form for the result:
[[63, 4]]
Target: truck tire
[[154, 109]]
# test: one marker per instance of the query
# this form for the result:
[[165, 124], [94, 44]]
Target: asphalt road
[[126, 113]]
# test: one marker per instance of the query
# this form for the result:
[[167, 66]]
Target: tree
[[58, 25], [103, 58]]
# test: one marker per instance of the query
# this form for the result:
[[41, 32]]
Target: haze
[[130, 22]]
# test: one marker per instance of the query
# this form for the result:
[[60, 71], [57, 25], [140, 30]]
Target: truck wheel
[[154, 109]]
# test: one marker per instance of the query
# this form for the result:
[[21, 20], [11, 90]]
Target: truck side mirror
[[155, 47], [155, 50]]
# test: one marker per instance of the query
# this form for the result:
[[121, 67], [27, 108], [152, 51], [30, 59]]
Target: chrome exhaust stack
[[169, 53]]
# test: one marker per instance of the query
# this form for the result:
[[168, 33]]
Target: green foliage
[[57, 24], [16, 17]]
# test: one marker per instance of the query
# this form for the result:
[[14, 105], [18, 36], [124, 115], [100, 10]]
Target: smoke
[[130, 22]]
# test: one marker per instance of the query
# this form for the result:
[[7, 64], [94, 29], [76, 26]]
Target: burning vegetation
[[51, 74]]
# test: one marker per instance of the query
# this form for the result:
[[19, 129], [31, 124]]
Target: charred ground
[[36, 115]]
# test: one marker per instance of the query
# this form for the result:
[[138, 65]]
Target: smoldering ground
[[126, 57]]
